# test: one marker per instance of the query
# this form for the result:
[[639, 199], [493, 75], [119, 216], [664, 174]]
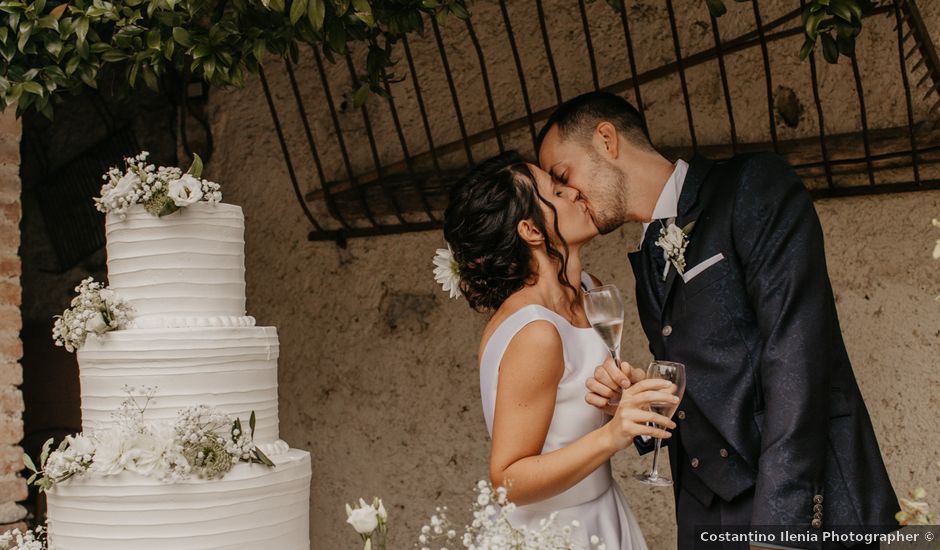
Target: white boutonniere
[[446, 271], [674, 240]]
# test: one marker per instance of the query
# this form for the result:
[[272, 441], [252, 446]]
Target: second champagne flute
[[675, 373]]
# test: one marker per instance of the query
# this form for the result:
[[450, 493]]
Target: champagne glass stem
[[654, 474]]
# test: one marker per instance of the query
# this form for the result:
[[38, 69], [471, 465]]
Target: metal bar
[[590, 44], [724, 83], [519, 72], [285, 151], [819, 111], [393, 109], [548, 51], [311, 144], [339, 136], [371, 136], [625, 23], [421, 108], [486, 84], [766, 59], [907, 91], [376, 231], [453, 89], [880, 189], [682, 82], [864, 113]]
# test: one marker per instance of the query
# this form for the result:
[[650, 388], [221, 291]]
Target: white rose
[[364, 520], [110, 452], [81, 445], [185, 191], [96, 323]]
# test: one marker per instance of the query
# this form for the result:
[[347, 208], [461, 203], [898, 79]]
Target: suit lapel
[[691, 203]]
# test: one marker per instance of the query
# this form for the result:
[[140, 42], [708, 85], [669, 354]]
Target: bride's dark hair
[[481, 225]]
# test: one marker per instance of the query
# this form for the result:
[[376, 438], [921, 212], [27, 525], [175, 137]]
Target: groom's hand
[[608, 382]]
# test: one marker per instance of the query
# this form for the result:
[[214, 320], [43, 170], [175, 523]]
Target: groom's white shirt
[[667, 206]]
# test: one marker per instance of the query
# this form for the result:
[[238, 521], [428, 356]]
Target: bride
[[516, 237]]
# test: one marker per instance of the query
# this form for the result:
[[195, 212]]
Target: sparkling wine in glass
[[603, 306], [675, 373]]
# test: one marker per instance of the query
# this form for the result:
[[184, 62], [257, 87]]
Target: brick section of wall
[[12, 484]]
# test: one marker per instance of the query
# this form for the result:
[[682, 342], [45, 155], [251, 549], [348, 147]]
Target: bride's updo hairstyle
[[481, 225]]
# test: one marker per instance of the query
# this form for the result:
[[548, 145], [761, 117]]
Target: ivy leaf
[[830, 48], [839, 9], [807, 48], [182, 36], [316, 12], [361, 95], [150, 78], [153, 39], [81, 29], [716, 7], [812, 24], [297, 10], [33, 87], [58, 10]]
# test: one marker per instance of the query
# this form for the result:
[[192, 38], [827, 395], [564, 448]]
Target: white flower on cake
[[203, 441], [161, 190], [185, 191], [95, 310], [447, 272]]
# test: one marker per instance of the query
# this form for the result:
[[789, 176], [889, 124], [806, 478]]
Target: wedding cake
[[190, 342]]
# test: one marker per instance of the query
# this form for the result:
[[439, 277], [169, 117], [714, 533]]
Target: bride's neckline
[[556, 314]]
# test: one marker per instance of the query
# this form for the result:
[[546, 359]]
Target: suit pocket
[[706, 277], [838, 407]]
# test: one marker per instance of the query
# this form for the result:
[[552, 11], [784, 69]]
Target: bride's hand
[[608, 382], [633, 417]]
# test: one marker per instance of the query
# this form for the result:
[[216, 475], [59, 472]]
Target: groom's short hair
[[578, 118]]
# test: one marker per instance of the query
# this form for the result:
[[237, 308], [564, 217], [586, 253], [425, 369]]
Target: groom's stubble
[[608, 197]]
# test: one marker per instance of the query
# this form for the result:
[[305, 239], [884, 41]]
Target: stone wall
[[12, 485]]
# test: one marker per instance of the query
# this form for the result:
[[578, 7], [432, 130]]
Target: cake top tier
[[181, 269]]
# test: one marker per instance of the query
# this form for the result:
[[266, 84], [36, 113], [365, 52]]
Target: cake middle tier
[[233, 369]]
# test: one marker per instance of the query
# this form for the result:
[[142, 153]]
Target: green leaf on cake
[[29, 465], [251, 424], [262, 458], [196, 169]]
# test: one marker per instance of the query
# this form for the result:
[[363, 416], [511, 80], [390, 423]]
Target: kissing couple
[[771, 429]]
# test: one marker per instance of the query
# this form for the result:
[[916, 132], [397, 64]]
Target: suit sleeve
[[780, 243]]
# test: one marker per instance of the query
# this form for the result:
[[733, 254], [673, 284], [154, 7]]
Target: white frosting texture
[[187, 264], [253, 506], [233, 369]]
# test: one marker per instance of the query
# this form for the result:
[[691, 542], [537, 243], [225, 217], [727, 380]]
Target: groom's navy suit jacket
[[771, 407]]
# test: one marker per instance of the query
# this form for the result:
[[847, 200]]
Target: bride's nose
[[571, 193]]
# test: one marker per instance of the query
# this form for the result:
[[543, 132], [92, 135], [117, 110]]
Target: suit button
[[817, 523], [681, 415], [818, 499], [667, 330], [817, 508], [695, 462], [817, 515], [723, 453]]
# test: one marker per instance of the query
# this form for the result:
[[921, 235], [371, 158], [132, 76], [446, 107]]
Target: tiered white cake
[[184, 275]]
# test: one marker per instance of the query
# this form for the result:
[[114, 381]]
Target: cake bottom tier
[[252, 507]]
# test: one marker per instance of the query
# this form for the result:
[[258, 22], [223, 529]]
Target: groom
[[772, 429]]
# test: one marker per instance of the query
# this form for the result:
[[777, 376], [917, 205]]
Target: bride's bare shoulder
[[507, 309]]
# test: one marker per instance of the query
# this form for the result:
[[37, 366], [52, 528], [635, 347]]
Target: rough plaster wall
[[378, 373]]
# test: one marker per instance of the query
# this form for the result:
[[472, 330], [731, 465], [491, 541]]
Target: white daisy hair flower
[[446, 271]]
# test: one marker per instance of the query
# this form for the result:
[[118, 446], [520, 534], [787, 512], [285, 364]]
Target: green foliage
[[51, 47], [835, 22]]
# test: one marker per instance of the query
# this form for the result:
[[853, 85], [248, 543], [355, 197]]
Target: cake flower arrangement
[[202, 442], [95, 310], [32, 539], [161, 190]]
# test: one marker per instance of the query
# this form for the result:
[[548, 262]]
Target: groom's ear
[[530, 233], [607, 140]]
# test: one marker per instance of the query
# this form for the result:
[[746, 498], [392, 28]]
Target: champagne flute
[[675, 373], [603, 306]]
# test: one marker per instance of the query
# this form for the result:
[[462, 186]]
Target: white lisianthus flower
[[383, 514], [96, 323], [111, 447], [185, 191], [446, 272], [363, 519]]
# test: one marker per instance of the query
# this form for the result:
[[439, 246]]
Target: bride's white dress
[[596, 501]]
